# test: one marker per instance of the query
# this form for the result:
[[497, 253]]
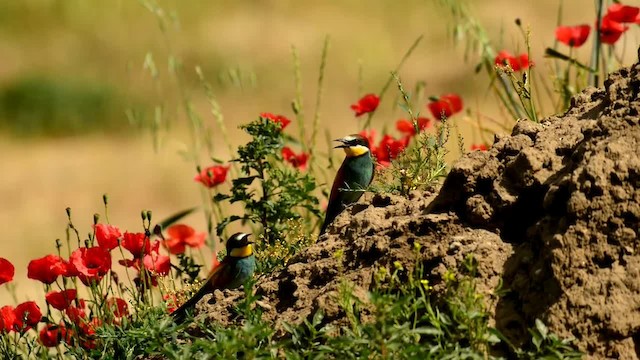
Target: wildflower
[[280, 119], [406, 127], [157, 264], [610, 30], [118, 307], [51, 335], [389, 149], [516, 63], [8, 319], [212, 176], [61, 299], [298, 161], [28, 315], [137, 244], [417, 246], [7, 271], [425, 284], [397, 265], [48, 268], [180, 236], [622, 13], [171, 300], [88, 332], [107, 236], [481, 147], [76, 312], [445, 106], [368, 103], [92, 263], [573, 36]]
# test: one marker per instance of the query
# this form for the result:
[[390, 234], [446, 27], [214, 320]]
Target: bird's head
[[239, 245], [353, 145]]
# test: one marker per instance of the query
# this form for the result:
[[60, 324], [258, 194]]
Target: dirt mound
[[566, 194], [374, 234], [553, 209]]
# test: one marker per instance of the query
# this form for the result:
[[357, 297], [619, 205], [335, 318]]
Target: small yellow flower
[[417, 246], [398, 265], [425, 283], [449, 276]]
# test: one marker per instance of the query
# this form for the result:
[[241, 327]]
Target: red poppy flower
[[610, 31], [92, 263], [107, 236], [157, 264], [180, 236], [622, 13], [48, 268], [8, 319], [118, 307], [573, 36], [368, 103], [298, 161], [212, 176], [481, 147], [137, 244], [61, 299], [389, 149], [76, 312], [171, 300], [51, 335], [406, 127], [88, 331], [28, 315], [7, 271], [280, 119], [445, 106], [516, 63]]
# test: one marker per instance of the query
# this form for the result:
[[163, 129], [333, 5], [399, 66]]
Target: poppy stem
[[388, 83], [594, 77]]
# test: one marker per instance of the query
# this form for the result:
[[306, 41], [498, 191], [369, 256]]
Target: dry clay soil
[[553, 210]]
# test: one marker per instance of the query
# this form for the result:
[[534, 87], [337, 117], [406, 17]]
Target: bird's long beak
[[341, 146]]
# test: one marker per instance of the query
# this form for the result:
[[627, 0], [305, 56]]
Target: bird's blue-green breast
[[242, 269], [358, 172]]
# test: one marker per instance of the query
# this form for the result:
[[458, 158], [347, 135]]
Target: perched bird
[[353, 177], [236, 268]]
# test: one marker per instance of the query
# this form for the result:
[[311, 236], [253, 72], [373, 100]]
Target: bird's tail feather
[[181, 313]]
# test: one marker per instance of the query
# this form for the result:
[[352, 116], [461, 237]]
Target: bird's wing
[[338, 183], [221, 276]]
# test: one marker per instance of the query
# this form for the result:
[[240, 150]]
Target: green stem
[[396, 70], [595, 52]]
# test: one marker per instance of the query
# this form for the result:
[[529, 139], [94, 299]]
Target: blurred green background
[[69, 69]]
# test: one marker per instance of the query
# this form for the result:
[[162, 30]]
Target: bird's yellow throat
[[242, 252], [353, 151]]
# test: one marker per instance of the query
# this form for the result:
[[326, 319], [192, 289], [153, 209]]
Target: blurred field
[[244, 49]]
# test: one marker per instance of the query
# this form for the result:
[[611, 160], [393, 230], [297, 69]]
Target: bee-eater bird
[[236, 268], [353, 177]]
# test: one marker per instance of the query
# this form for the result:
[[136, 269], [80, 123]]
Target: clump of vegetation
[[42, 106]]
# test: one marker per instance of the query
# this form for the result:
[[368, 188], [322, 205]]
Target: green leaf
[[244, 180], [542, 328], [225, 222], [555, 54], [428, 331], [220, 197]]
